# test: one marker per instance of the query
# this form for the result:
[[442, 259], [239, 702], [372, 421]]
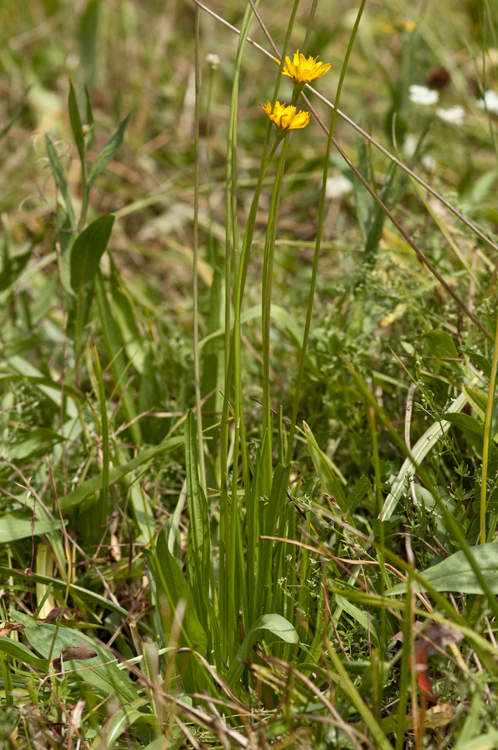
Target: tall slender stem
[[197, 371], [266, 312], [487, 439]]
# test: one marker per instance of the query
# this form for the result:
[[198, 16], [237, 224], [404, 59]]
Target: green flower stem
[[231, 568], [268, 261], [321, 219], [487, 440], [234, 368], [197, 370], [228, 572], [239, 293]]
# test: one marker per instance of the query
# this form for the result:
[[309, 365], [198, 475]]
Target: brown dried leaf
[[55, 613], [9, 627], [440, 715], [77, 653], [437, 635]]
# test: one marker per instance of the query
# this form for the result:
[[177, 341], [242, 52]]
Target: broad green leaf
[[456, 574], [125, 717], [478, 360], [367, 622], [21, 653], [88, 249], [74, 498], [107, 153], [357, 494], [275, 624], [17, 525], [466, 422], [35, 442], [440, 344], [17, 363], [101, 675], [54, 392], [75, 119]]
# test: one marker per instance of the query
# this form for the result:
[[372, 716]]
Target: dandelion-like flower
[[303, 70], [286, 118]]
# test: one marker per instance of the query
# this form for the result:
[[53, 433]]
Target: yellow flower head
[[286, 118], [303, 70]]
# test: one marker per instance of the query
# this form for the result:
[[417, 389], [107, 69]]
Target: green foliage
[[249, 431]]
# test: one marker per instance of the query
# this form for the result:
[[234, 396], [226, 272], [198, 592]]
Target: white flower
[[423, 95], [213, 61], [490, 102], [410, 145], [429, 163], [455, 115], [337, 186]]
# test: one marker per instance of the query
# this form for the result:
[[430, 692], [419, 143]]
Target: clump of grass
[[248, 463]]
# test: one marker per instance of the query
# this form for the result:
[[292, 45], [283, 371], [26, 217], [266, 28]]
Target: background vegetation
[[198, 548]]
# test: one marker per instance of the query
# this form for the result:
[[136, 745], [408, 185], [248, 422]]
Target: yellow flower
[[303, 70], [286, 118], [400, 24]]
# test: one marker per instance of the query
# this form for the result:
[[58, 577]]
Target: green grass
[[249, 446]]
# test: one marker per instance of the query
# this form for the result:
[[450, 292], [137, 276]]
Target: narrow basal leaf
[[171, 581]]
